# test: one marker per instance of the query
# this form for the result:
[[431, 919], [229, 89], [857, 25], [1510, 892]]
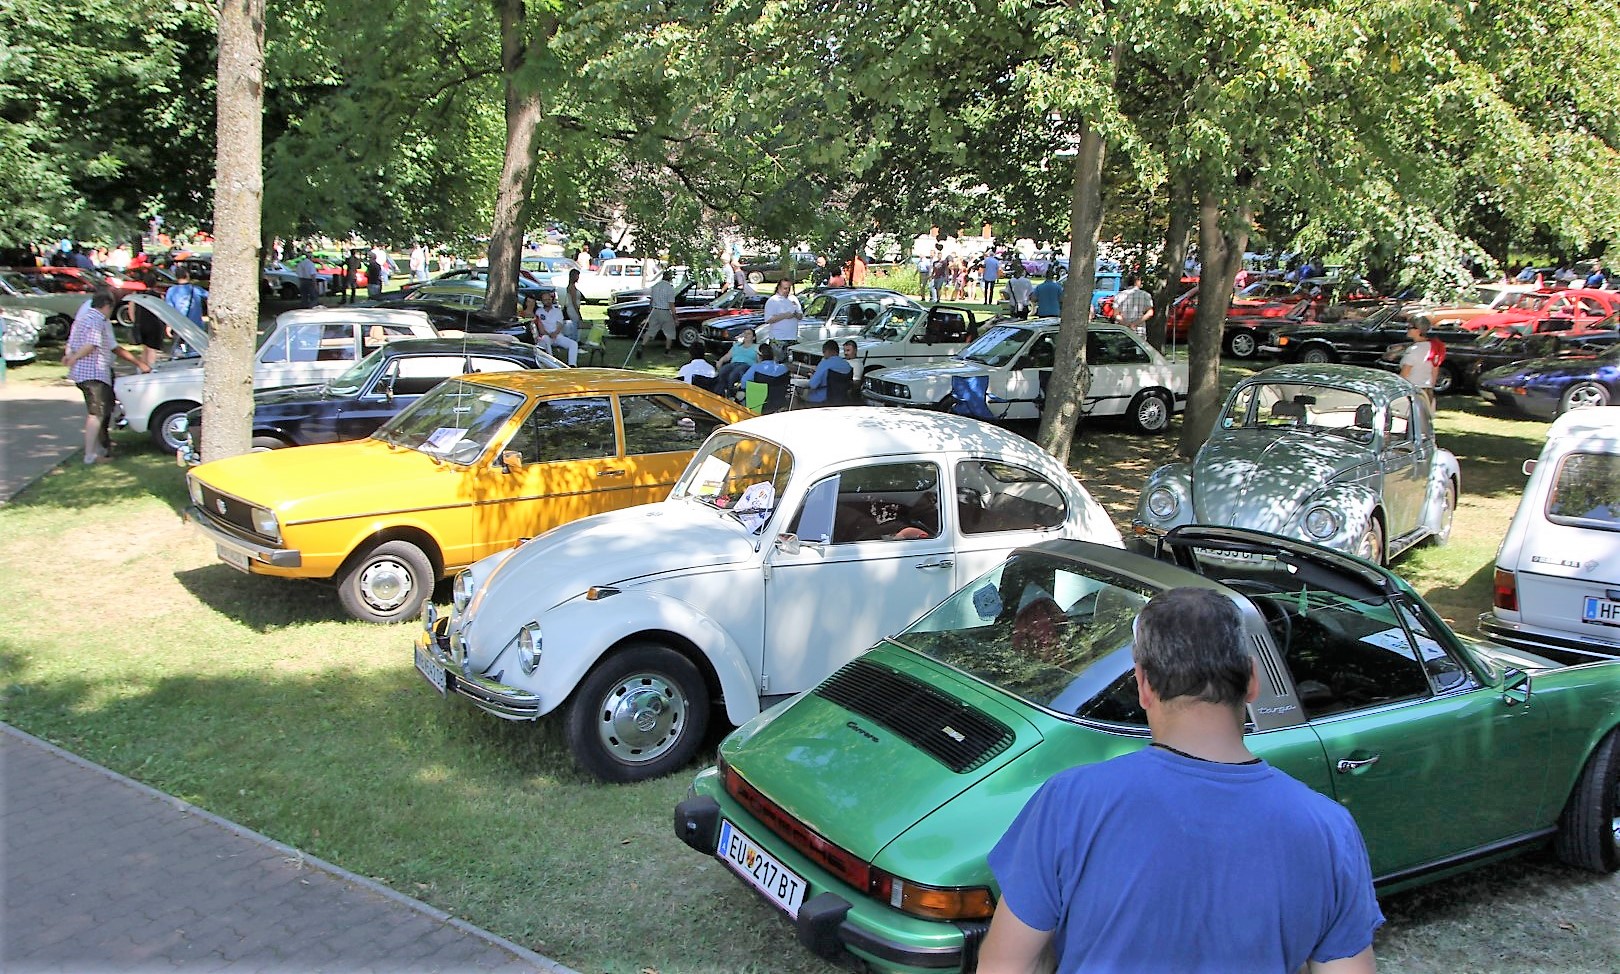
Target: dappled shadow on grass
[[134, 472], [263, 603], [1492, 464]]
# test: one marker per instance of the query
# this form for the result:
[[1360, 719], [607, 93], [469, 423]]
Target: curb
[[545, 964]]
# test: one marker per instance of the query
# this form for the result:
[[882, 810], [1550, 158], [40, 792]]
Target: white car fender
[[1442, 475], [580, 633]]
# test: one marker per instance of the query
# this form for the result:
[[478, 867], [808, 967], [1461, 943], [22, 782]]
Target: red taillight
[[845, 865], [1505, 591]]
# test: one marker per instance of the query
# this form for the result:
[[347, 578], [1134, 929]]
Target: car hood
[[1545, 368], [1258, 478], [853, 779], [193, 334], [923, 373]]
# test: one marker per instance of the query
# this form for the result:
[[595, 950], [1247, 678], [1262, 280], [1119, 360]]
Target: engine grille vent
[[949, 731]]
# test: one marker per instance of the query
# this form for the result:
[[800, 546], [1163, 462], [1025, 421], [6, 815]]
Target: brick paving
[[102, 873]]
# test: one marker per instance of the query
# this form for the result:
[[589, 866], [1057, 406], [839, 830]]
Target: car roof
[[470, 344], [552, 381], [370, 316], [1372, 383], [1600, 423], [818, 437]]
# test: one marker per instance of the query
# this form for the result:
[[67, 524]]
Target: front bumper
[[490, 696], [830, 924], [252, 549], [1557, 645]]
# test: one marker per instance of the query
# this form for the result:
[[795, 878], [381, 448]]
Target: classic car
[[372, 391], [902, 335], [1557, 583], [1336, 455], [529, 282], [467, 294], [1358, 335], [829, 312], [1482, 300], [19, 334], [767, 268], [791, 541], [613, 275], [624, 317], [1546, 388], [1013, 359], [18, 291], [864, 810], [1469, 355], [550, 270], [454, 318], [305, 346], [469, 470], [1548, 310]]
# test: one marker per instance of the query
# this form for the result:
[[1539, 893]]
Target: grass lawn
[[129, 643]]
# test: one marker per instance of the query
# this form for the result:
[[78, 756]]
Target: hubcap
[[642, 718], [1151, 413], [172, 428], [1586, 396], [1242, 345], [1368, 548], [385, 585]]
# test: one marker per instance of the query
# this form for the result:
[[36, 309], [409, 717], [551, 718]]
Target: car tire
[[1448, 513], [1589, 828], [1583, 394], [756, 277], [1445, 380], [57, 328], [640, 713], [689, 336], [387, 583], [163, 426], [263, 443], [1371, 544], [289, 292], [1242, 344], [1150, 412], [1317, 355]]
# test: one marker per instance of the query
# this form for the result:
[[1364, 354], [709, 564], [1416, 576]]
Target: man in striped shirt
[[90, 350]]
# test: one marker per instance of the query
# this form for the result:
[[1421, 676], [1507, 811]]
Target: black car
[[767, 268], [1362, 336], [1466, 360], [457, 317], [823, 306], [353, 405], [624, 319]]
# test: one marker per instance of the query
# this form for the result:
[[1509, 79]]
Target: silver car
[[1337, 455]]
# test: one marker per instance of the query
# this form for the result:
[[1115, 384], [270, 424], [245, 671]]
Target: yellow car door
[[660, 433]]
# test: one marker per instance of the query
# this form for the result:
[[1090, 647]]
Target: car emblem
[[220, 504]]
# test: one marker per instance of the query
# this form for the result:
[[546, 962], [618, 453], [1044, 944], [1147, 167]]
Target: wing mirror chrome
[[512, 460], [791, 544], [1515, 687]]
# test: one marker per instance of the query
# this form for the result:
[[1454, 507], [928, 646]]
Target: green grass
[[129, 643]]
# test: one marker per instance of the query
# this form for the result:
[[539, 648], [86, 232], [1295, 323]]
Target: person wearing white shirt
[[782, 314], [698, 367], [548, 328], [1019, 288], [419, 263]]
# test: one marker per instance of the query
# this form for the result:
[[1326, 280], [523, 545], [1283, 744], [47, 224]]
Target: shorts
[[661, 321], [150, 328], [98, 397]]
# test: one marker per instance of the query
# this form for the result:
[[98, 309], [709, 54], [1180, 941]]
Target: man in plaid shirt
[[90, 350], [1133, 306]]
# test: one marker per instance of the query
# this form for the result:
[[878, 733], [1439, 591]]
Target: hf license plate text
[[1604, 612], [779, 884]]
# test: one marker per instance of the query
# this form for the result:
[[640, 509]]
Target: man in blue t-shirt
[[1049, 298], [830, 362], [1191, 855]]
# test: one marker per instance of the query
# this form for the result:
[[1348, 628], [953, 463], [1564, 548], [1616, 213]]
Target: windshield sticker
[[987, 602], [444, 438]]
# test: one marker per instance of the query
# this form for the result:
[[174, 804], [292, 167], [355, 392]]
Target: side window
[[567, 429], [1591, 308], [1445, 673], [1345, 655], [335, 344], [882, 502], [1113, 348], [1238, 411], [664, 424], [483, 363], [415, 375], [1041, 354], [1398, 424], [992, 496], [1587, 491]]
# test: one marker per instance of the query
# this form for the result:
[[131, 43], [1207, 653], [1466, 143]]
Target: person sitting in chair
[[821, 382]]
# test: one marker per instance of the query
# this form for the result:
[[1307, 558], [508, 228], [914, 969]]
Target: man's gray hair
[[1189, 643]]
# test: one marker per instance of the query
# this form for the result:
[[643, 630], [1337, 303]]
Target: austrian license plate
[[235, 559], [430, 669], [1602, 612], [779, 884]]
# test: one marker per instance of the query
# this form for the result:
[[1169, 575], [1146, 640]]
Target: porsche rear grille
[[227, 510], [947, 730]]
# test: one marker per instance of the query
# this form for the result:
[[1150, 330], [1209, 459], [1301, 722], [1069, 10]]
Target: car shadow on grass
[[262, 603]]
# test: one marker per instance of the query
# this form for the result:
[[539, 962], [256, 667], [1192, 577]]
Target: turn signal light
[[1505, 591], [934, 902]]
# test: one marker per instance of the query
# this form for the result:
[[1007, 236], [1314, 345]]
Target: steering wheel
[[1277, 622]]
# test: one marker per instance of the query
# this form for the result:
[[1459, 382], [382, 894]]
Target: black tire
[[640, 713], [266, 442], [1583, 394], [689, 336], [1318, 355], [1150, 412], [387, 583], [1445, 380], [289, 292], [57, 328], [1371, 544], [1242, 344], [162, 425], [1589, 829]]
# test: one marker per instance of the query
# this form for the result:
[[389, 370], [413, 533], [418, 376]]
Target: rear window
[[1587, 491]]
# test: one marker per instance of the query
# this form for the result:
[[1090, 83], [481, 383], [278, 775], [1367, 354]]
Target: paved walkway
[[101, 873], [39, 426]]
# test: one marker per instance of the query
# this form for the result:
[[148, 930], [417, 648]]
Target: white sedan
[[791, 544], [1010, 363], [612, 276]]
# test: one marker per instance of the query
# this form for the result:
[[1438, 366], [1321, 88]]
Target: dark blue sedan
[[353, 405], [1546, 388]]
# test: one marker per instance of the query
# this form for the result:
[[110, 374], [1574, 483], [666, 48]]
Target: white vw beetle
[[791, 544]]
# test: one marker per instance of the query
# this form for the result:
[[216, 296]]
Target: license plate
[[430, 669], [779, 884], [235, 559], [1602, 612]]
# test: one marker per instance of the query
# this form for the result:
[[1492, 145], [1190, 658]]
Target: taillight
[[1505, 591], [841, 863], [933, 902]]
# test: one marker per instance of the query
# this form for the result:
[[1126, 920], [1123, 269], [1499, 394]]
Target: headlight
[[264, 522], [1162, 502], [195, 490], [1320, 523], [462, 591], [528, 647]]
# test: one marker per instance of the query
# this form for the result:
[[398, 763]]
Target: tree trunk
[[1222, 238], [233, 291], [1067, 388], [524, 111], [1175, 258]]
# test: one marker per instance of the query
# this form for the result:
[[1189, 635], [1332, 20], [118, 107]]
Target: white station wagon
[[1557, 587], [791, 544]]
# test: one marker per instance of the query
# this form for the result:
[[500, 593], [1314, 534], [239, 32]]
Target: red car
[[1548, 310]]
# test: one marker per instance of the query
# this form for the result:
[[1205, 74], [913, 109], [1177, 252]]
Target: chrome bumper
[[487, 695], [1544, 642], [252, 549]]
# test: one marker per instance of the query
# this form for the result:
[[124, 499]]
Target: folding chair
[[754, 394], [595, 344]]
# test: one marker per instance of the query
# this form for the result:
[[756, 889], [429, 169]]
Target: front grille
[[805, 359], [946, 729], [892, 390], [227, 509]]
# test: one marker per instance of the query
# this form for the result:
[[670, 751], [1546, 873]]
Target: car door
[[661, 432], [1117, 363], [873, 553], [1431, 761], [1001, 506], [1407, 454], [400, 382], [1023, 383]]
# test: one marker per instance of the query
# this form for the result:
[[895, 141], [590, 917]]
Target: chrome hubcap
[[173, 427], [1151, 413], [1242, 345], [1587, 396], [642, 718], [385, 585]]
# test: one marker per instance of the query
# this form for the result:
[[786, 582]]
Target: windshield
[[1292, 405], [997, 346], [350, 382], [741, 474], [17, 283], [1527, 302], [455, 421], [734, 298], [1049, 630], [892, 324]]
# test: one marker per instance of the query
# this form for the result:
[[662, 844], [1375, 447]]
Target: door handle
[[610, 473], [1347, 766], [942, 563]]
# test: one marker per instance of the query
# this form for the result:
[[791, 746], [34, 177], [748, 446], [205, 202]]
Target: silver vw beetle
[[1337, 455]]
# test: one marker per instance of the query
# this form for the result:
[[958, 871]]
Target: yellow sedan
[[477, 465]]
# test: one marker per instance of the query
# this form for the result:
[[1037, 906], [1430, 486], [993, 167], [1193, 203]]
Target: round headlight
[[528, 647], [264, 522], [461, 592], [1321, 523], [1161, 502]]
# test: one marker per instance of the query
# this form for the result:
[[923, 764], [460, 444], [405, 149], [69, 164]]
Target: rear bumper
[[1582, 648]]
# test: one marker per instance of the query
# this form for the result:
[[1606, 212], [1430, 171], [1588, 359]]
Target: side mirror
[[788, 544], [1529, 467], [921, 338], [1515, 687], [387, 388], [512, 460]]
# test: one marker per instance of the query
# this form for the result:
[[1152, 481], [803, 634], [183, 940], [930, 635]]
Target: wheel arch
[[397, 532]]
